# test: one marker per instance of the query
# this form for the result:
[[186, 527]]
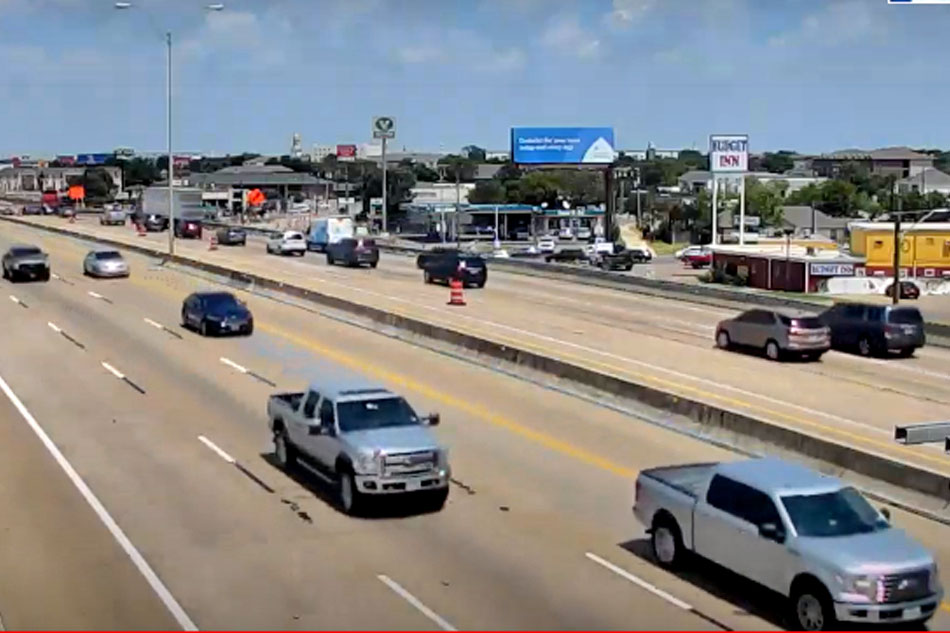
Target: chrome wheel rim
[[280, 448], [771, 350], [810, 616], [346, 492], [723, 340], [864, 347], [664, 545]]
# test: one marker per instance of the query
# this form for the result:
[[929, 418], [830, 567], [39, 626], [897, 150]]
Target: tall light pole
[[168, 120]]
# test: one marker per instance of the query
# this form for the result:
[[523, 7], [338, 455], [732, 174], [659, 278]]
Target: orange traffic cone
[[456, 295], [213, 243]]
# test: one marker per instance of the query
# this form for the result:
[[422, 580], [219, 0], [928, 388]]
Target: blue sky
[[812, 75]]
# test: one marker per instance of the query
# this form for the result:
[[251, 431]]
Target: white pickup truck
[[809, 537]]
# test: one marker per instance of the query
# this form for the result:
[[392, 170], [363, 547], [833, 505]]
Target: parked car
[[567, 255], [566, 233], [216, 312], [776, 333], [7, 209], [812, 538], [26, 262], [105, 263], [689, 250], [156, 223], [353, 251], [875, 330], [113, 216], [33, 209], [471, 270], [909, 290], [699, 258], [361, 438], [288, 242], [232, 236], [619, 259], [188, 228], [642, 252], [584, 233]]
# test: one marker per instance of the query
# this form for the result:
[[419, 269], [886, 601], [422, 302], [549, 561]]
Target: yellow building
[[925, 248]]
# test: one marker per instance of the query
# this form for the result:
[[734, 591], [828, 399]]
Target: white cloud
[[565, 35], [836, 23], [503, 61], [417, 54], [627, 12]]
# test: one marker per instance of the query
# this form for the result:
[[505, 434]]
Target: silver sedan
[[105, 264]]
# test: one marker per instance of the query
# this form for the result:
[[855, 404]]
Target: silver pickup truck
[[361, 438], [809, 537]]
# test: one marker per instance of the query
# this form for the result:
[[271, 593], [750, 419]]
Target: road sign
[[384, 127]]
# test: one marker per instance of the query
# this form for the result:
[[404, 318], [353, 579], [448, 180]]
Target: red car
[[698, 259]]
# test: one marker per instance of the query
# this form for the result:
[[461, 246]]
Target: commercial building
[[785, 265], [928, 180], [925, 248], [275, 181], [804, 220], [35, 180], [900, 162], [696, 180]]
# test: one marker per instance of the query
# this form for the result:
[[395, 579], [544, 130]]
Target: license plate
[[913, 613], [909, 329]]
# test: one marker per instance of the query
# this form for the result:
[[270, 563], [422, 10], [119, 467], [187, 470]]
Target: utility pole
[[171, 159], [458, 202], [384, 185], [897, 248]]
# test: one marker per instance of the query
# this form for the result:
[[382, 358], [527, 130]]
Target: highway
[[661, 343], [170, 435]]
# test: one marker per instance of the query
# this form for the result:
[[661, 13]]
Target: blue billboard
[[563, 145], [92, 159]]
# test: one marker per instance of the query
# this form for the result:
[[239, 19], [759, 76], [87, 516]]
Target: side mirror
[[886, 514], [434, 419], [772, 532]]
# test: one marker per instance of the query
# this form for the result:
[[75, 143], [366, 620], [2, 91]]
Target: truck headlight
[[366, 463], [862, 585], [935, 586]]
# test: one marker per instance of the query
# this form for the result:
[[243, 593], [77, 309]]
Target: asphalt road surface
[[538, 531], [662, 343]]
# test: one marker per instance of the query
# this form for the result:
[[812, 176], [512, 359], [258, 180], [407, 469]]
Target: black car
[[568, 255], [426, 256], [353, 251], [25, 262], [187, 228], [156, 223], [232, 236], [216, 313], [909, 290], [875, 329], [471, 270]]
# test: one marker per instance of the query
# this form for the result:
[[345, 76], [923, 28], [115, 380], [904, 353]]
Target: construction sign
[[77, 192], [255, 198]]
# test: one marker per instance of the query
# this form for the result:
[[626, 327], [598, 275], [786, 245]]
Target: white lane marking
[[94, 294], [217, 449], [14, 299], [231, 363], [184, 621], [154, 324], [640, 582], [54, 327], [115, 372], [411, 599], [890, 364]]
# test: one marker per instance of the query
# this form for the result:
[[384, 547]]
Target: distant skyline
[[814, 76]]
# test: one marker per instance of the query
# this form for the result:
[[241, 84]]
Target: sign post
[[384, 128], [729, 154]]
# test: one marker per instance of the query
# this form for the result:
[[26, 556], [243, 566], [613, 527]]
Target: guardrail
[[886, 469]]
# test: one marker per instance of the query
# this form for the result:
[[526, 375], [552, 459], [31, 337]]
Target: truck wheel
[[864, 347], [773, 351], [438, 499], [722, 340], [812, 609], [350, 498], [284, 451], [667, 542], [426, 277], [329, 260]]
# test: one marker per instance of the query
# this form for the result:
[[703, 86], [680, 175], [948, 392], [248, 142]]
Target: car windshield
[[906, 316], [364, 415], [218, 302], [108, 255], [25, 251], [293, 236], [840, 513]]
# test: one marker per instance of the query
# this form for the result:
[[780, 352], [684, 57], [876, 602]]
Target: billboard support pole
[[171, 160], [714, 210], [609, 204], [384, 186], [742, 210]]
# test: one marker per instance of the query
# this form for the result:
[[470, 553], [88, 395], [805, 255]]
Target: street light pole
[[171, 160]]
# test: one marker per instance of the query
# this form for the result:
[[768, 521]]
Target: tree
[[474, 153], [139, 171], [778, 162], [488, 192], [765, 200], [837, 198], [399, 182], [455, 167], [424, 173], [98, 183], [692, 159], [806, 196]]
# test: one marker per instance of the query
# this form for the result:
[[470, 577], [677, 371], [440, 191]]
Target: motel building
[[802, 265]]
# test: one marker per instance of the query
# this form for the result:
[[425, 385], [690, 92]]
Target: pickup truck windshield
[[841, 513], [365, 415], [107, 255], [27, 251]]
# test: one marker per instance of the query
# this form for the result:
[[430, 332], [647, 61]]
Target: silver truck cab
[[361, 438], [807, 536]]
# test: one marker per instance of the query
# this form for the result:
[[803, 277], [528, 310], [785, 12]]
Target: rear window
[[808, 322], [293, 236], [473, 262], [368, 243], [909, 316], [108, 255], [26, 251]]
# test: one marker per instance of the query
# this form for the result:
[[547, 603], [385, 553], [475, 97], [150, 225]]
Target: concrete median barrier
[[880, 467]]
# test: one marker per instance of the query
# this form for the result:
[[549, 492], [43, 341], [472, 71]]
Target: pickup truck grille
[[905, 587], [31, 268], [409, 463]]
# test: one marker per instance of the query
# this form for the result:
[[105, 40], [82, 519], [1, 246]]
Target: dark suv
[[471, 270], [353, 251], [875, 329], [187, 228]]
